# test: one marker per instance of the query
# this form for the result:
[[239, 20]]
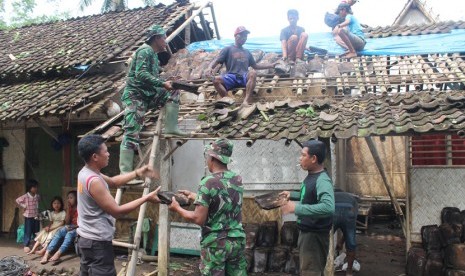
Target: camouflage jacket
[[222, 194], [143, 75]]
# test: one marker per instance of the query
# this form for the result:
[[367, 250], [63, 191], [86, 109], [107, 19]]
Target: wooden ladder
[[147, 187]]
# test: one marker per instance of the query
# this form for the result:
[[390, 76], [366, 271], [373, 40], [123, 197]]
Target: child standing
[[30, 203], [66, 234], [56, 215]]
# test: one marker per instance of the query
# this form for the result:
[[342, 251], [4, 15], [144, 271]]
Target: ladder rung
[[124, 244]]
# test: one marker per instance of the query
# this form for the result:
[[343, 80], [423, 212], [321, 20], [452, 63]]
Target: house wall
[[362, 174], [431, 189], [414, 16], [14, 164]]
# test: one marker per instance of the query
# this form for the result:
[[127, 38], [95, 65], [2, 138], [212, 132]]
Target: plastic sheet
[[452, 42]]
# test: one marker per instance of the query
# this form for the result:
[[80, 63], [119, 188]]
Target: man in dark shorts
[[218, 210], [349, 34], [345, 218], [237, 60], [293, 38], [314, 210]]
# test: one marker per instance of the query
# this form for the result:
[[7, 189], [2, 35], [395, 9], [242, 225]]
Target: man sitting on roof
[[144, 89], [237, 60], [352, 37], [293, 38]]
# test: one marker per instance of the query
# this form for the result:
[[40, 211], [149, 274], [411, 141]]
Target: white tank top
[[94, 223]]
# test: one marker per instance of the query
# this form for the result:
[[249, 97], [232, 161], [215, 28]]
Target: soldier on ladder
[[144, 89]]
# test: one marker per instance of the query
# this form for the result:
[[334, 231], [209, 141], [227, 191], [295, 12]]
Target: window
[[437, 150]]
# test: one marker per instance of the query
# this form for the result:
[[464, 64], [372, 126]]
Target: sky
[[267, 17]]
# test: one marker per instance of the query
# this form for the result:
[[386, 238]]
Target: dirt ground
[[381, 251]]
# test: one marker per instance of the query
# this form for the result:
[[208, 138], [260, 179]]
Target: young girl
[[30, 203], [66, 234], [56, 216]]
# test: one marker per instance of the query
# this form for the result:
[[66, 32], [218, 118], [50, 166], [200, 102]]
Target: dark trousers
[[97, 257], [313, 251], [31, 226]]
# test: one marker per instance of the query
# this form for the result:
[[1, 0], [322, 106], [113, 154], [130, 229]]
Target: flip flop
[[43, 261]]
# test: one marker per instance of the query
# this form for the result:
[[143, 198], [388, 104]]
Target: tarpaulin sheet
[[452, 42]]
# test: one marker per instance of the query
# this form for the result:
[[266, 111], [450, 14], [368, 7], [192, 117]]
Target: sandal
[[43, 261]]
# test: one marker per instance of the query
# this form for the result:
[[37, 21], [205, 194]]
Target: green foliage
[[308, 112], [22, 15], [112, 5]]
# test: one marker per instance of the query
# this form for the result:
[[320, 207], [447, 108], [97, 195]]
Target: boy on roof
[[293, 38], [349, 34]]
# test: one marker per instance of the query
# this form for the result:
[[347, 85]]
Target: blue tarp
[[452, 42]]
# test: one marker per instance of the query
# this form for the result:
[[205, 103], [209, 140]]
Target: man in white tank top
[[97, 208]]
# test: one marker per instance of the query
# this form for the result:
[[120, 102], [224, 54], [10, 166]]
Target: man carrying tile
[[349, 34], [314, 210], [145, 90], [218, 210], [237, 60], [293, 38]]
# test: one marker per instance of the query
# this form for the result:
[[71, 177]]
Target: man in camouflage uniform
[[218, 211], [144, 89]]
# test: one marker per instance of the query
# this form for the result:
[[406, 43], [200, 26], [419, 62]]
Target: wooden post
[[341, 148], [408, 215], [379, 164], [163, 218]]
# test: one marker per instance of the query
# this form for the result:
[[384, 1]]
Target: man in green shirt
[[218, 210], [146, 90], [314, 210]]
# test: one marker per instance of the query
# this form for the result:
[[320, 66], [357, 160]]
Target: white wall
[[267, 165], [14, 155]]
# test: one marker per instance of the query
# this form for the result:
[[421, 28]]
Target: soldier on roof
[[349, 34], [144, 89], [293, 38]]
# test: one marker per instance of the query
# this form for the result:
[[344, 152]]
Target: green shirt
[[222, 193], [143, 74], [325, 199]]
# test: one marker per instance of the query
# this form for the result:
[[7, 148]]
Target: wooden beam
[[164, 216], [187, 22], [379, 164], [43, 125], [341, 164], [214, 21]]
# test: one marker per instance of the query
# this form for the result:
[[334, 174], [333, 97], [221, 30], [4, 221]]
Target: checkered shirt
[[30, 203]]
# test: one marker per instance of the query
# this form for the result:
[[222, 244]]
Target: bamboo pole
[[379, 165], [148, 184]]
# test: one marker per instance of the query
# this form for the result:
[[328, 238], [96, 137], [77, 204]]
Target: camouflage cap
[[155, 30], [221, 149]]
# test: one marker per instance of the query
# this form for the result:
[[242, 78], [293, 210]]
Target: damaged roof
[[72, 66], [339, 117], [81, 41], [56, 97]]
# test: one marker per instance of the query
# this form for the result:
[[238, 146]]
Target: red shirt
[[72, 215]]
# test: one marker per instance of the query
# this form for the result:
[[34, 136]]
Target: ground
[[381, 251]]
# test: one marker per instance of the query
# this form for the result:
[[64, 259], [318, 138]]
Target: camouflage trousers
[[224, 257], [135, 106]]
